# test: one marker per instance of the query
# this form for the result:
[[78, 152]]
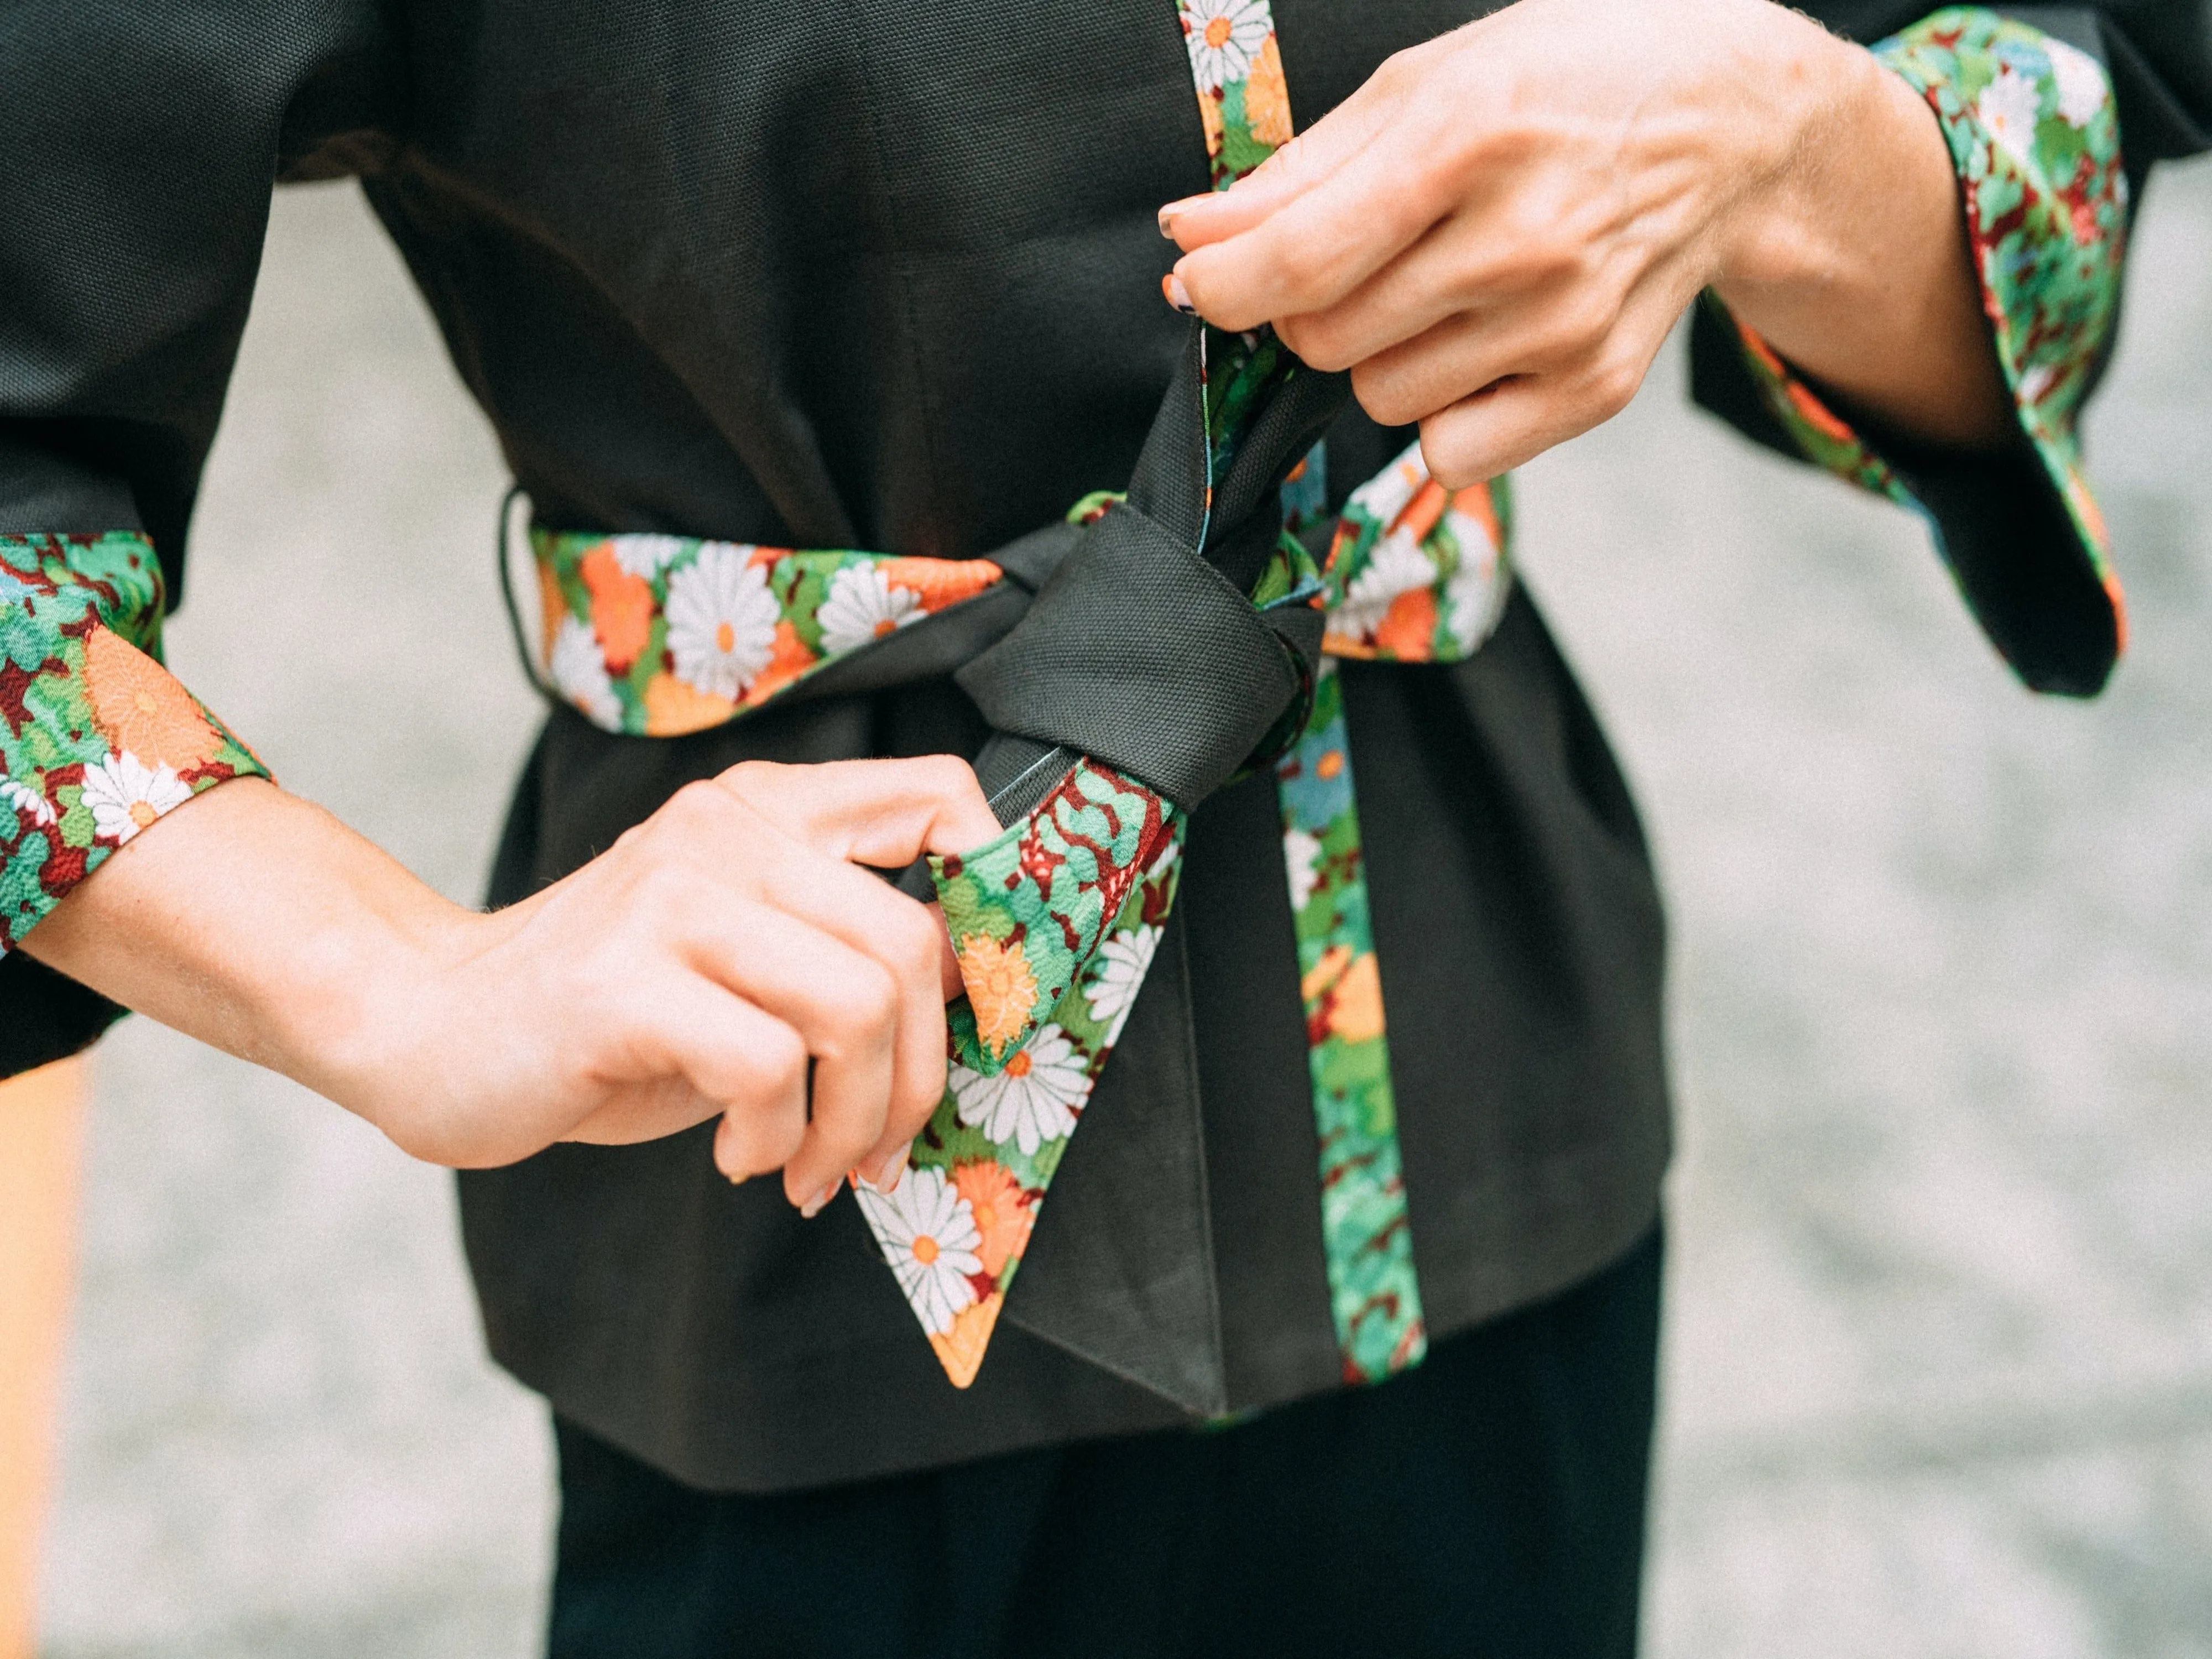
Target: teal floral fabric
[[2034, 135], [97, 740], [1375, 1295]]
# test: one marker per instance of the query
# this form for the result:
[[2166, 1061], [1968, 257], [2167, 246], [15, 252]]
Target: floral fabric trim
[[2034, 135], [658, 635], [97, 739], [1375, 1295], [1028, 911], [1243, 102], [955, 1227], [1417, 573]]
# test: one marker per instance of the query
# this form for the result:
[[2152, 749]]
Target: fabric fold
[[2035, 137], [97, 739]]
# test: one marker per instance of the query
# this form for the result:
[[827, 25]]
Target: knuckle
[[780, 1059], [871, 1001], [1304, 274], [1589, 322], [948, 775], [1385, 396], [748, 775], [697, 809], [1322, 343], [1613, 384]]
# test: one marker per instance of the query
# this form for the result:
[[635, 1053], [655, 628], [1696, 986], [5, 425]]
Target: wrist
[[361, 1016], [1828, 105]]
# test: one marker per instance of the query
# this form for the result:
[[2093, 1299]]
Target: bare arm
[[694, 969]]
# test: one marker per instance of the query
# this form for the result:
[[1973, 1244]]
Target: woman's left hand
[[1496, 233]]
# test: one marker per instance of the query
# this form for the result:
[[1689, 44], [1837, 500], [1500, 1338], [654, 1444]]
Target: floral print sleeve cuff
[[2034, 135], [96, 739]]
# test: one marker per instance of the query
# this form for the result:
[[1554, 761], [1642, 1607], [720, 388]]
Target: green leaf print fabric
[[97, 740]]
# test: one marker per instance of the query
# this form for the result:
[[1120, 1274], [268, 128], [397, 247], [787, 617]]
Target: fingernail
[[886, 1178], [1177, 294], [814, 1206], [1175, 210]]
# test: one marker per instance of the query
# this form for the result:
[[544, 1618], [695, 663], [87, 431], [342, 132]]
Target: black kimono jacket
[[887, 278]]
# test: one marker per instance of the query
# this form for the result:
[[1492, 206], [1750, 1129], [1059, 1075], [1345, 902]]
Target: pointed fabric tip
[[954, 1228], [961, 1349]]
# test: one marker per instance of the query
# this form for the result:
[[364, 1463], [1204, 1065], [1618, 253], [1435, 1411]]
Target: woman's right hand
[[704, 965]]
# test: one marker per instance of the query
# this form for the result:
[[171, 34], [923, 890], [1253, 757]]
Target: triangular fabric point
[[961, 1349]]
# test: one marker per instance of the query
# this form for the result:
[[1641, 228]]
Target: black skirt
[[1489, 1503]]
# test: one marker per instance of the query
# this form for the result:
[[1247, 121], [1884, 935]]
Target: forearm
[[723, 957], [1855, 266], [255, 922]]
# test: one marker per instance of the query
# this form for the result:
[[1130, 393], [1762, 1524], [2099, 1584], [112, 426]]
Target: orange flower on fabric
[[1320, 979], [1002, 988], [1355, 1007], [673, 707], [1001, 1209], [141, 709], [552, 603], [622, 607], [788, 658], [941, 581], [1408, 629], [1267, 98], [960, 1350]]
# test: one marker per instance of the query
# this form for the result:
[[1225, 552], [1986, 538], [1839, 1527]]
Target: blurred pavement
[[1939, 1364]]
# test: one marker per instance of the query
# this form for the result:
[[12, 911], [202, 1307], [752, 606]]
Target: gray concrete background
[[1939, 1352]]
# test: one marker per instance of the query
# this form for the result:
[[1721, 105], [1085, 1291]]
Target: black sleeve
[[2002, 523], [139, 140]]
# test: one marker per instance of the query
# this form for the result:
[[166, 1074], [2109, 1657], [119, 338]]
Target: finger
[[692, 1050], [1540, 293], [908, 943], [881, 812], [1414, 379], [866, 914], [1321, 245], [1519, 418], [645, 1111], [1511, 422], [1292, 170], [844, 1006], [1314, 252]]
